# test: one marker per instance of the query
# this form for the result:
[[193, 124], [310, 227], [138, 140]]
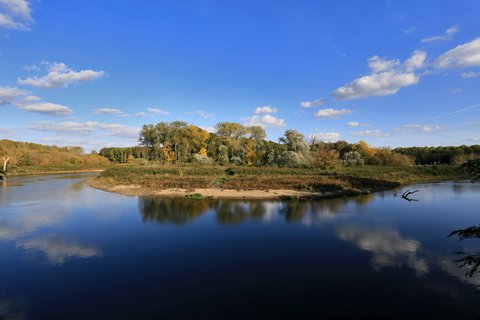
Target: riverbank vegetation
[[31, 158], [179, 156], [305, 182], [234, 144]]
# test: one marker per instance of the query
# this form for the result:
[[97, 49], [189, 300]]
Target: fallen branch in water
[[408, 193]]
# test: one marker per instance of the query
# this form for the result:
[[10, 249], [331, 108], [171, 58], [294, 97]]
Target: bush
[[236, 161], [352, 158], [325, 159], [201, 159]]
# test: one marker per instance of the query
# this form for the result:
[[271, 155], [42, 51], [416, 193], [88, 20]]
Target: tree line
[[234, 143], [24, 154]]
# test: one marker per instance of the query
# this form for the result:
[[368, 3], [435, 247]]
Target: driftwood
[[5, 162], [408, 193]]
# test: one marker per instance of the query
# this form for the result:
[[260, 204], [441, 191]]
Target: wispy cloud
[[10, 94], [357, 124], [23, 100], [417, 128], [72, 127], [313, 103], [325, 136], [331, 113], [158, 111], [15, 14], [387, 77], [370, 133], [462, 56], [47, 108], [448, 35], [202, 114], [111, 111], [409, 30], [60, 75], [469, 74]]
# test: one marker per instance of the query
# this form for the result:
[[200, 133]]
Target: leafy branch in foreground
[[472, 261]]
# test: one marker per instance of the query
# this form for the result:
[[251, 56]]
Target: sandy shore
[[137, 190]]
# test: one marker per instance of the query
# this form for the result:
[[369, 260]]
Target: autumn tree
[[325, 158]]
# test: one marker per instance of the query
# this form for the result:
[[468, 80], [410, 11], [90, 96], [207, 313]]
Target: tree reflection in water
[[179, 211], [469, 260]]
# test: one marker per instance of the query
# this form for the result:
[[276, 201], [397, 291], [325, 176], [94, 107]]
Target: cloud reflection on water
[[388, 247]]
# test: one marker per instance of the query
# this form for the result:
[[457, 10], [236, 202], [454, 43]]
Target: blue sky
[[91, 73]]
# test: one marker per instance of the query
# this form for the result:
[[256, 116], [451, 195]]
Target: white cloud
[[469, 74], [370, 133], [386, 77], [264, 121], [314, 103], [141, 114], [47, 108], [462, 56], [417, 128], [24, 101], [9, 94], [448, 35], [416, 61], [65, 127], [202, 114], [31, 68], [60, 75], [357, 124], [158, 111], [265, 110], [326, 136], [331, 113], [15, 14], [112, 111], [120, 130], [71, 127], [378, 64]]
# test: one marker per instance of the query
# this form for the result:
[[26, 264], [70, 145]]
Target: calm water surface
[[68, 251]]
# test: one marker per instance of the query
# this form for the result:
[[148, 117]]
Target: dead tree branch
[[408, 193]]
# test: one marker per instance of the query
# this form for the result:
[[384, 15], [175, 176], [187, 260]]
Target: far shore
[[40, 172], [218, 193], [242, 182]]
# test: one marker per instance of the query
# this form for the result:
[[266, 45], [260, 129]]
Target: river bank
[[263, 183], [46, 171]]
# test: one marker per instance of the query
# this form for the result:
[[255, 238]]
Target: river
[[69, 251]]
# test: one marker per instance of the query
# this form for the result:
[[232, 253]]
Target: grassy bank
[[39, 170], [163, 180]]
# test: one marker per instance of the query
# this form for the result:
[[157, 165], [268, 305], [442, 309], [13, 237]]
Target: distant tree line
[[234, 143], [441, 155]]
